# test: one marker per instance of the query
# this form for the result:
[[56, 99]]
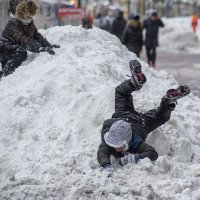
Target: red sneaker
[[138, 78]]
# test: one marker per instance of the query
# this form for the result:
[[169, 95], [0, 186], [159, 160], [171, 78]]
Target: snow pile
[[177, 35], [52, 110]]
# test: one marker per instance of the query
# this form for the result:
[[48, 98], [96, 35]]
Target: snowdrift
[[177, 36], [52, 109]]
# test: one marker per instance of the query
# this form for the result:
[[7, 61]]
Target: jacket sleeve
[[103, 154], [124, 36], [161, 24], [141, 40], [39, 38], [147, 151], [113, 28]]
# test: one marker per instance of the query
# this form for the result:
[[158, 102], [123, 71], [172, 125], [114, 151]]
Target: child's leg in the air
[[123, 97], [156, 117]]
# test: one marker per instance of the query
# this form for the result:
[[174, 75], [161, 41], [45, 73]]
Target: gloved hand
[[129, 158], [33, 46], [45, 43], [55, 46], [47, 49], [108, 169]]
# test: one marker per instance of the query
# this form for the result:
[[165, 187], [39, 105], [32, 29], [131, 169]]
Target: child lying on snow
[[21, 34], [124, 134]]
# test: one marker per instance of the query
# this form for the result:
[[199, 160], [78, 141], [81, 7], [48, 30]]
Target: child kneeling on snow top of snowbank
[[21, 34], [124, 134]]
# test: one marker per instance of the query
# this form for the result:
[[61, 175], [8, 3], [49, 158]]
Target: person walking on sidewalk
[[123, 136], [132, 36], [152, 25], [194, 22], [118, 25]]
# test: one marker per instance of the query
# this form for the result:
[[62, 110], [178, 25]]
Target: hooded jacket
[[132, 36], [16, 32], [118, 25], [152, 29]]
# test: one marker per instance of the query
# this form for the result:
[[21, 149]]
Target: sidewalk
[[185, 68]]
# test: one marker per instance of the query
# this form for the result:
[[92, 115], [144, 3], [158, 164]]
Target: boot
[[138, 78]]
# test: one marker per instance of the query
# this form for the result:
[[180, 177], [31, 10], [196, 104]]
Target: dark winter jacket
[[132, 36], [152, 28], [118, 26], [23, 35], [142, 125]]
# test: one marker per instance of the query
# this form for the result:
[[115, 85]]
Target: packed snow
[[177, 36], [52, 110]]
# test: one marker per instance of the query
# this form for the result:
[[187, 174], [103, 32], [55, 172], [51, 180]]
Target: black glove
[[55, 46], [33, 46], [108, 169], [129, 158], [45, 43], [47, 49]]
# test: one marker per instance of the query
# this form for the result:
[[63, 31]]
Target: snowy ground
[[177, 36], [52, 110]]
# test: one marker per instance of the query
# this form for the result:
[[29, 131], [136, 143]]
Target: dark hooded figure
[[118, 25], [152, 25], [21, 34], [132, 35]]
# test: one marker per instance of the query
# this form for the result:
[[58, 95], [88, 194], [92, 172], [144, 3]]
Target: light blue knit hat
[[120, 133]]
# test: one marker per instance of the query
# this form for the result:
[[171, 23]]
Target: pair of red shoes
[[138, 80]]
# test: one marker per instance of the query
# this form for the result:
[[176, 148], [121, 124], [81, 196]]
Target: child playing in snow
[[21, 34], [124, 134]]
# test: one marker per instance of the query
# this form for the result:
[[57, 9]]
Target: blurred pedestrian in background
[[132, 35], [152, 25], [194, 22], [107, 21], [118, 25], [98, 21], [87, 20]]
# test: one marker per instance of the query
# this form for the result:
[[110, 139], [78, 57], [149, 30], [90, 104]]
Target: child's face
[[27, 15], [120, 149]]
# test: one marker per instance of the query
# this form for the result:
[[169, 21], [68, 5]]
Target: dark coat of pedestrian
[[152, 25], [118, 25], [132, 36], [21, 34]]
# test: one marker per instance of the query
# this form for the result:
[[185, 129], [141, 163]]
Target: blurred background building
[[62, 12]]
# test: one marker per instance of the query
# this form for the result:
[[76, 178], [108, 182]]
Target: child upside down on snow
[[123, 136]]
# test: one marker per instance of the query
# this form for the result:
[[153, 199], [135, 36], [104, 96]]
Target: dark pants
[[12, 59], [124, 108], [151, 55]]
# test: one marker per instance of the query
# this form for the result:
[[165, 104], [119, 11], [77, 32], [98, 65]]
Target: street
[[184, 66]]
